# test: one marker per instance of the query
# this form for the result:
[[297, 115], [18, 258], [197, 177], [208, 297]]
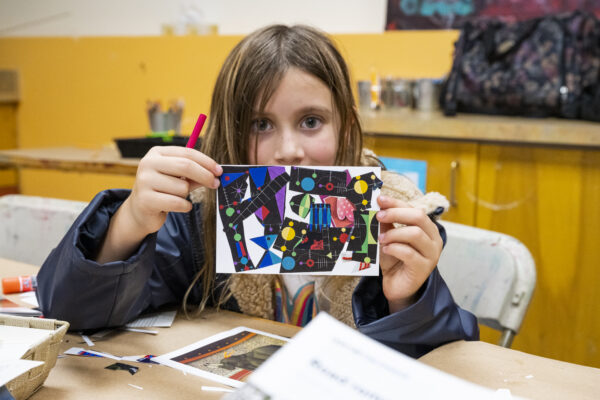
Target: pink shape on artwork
[[342, 211]]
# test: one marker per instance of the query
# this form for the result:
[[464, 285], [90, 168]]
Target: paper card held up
[[302, 220]]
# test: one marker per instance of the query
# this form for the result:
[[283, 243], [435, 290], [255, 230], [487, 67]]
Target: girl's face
[[299, 125]]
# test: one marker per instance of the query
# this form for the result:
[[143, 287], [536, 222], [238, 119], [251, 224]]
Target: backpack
[[548, 66]]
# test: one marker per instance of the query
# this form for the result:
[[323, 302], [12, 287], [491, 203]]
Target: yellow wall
[[87, 91], [8, 140]]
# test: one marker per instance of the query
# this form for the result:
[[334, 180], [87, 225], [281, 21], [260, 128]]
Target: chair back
[[30, 226], [489, 274]]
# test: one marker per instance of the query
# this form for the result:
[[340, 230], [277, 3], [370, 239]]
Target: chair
[[30, 227], [489, 274]]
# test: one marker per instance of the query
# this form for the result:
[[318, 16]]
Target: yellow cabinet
[[546, 196], [8, 140], [549, 198], [451, 169]]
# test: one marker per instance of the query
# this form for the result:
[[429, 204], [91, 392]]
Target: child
[[283, 96]]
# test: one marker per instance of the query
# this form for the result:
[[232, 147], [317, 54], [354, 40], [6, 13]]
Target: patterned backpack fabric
[[548, 66]]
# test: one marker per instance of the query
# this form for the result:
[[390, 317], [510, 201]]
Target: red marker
[[196, 132]]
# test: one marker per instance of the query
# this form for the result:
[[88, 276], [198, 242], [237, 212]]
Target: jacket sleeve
[[73, 287], [435, 319]]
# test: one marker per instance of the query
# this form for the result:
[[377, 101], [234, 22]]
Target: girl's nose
[[290, 150]]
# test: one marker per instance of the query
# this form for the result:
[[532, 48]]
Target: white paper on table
[[10, 369], [79, 351], [329, 357], [29, 298], [12, 351], [8, 306], [160, 319], [15, 341]]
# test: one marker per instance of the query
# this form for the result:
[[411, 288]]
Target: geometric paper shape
[[227, 179], [268, 259], [258, 175], [265, 241]]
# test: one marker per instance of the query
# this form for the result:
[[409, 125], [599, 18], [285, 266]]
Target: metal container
[[403, 93], [387, 93], [427, 93], [364, 94]]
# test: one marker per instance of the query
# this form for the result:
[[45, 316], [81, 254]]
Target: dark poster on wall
[[451, 14]]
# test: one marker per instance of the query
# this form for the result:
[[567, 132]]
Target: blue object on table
[[415, 170]]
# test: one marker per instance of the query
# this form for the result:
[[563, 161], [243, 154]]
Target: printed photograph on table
[[300, 220], [228, 357]]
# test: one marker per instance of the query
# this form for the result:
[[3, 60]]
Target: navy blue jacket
[[73, 287]]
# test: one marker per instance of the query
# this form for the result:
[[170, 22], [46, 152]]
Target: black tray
[[138, 147]]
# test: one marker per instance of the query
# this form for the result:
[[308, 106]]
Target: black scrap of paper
[[125, 367]]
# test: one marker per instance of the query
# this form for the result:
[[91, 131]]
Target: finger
[[191, 154], [170, 185], [403, 252], [415, 237], [170, 203], [183, 167], [386, 202], [409, 216]]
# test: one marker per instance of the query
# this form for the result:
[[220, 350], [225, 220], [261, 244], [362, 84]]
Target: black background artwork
[[451, 14]]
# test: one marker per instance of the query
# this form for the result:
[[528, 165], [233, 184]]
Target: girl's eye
[[311, 123], [260, 125]]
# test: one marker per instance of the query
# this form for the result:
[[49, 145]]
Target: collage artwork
[[311, 220]]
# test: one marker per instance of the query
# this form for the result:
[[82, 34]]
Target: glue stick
[[19, 284]]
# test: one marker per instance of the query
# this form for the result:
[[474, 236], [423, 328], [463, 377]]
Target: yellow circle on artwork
[[343, 229], [288, 233], [304, 231], [334, 239], [365, 202], [291, 223], [373, 177], [360, 186], [283, 248], [367, 260], [351, 237]]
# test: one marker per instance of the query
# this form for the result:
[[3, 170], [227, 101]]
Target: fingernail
[[216, 183], [383, 198], [381, 214], [218, 170], [381, 237]]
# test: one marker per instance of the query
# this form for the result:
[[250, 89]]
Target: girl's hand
[[165, 177], [408, 254]]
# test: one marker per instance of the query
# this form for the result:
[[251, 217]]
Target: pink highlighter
[[196, 132]]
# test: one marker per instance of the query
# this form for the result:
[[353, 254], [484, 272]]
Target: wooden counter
[[434, 125], [74, 159]]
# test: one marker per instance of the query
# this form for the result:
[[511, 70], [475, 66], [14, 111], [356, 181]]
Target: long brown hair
[[248, 78]]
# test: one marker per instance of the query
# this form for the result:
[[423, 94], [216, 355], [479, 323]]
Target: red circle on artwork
[[310, 262], [329, 186], [343, 237], [235, 203], [221, 207], [226, 178]]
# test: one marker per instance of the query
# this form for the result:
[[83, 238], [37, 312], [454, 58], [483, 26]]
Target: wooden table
[[106, 160], [482, 363]]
